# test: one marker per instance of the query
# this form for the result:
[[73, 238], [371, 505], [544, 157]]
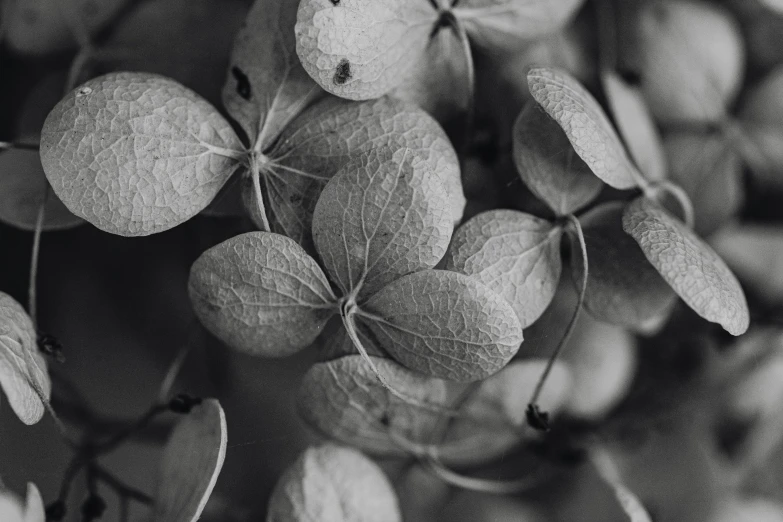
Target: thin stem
[[19, 146], [255, 174], [470, 110], [498, 487], [173, 371], [121, 488], [81, 59], [684, 201], [572, 323], [33, 283], [350, 327]]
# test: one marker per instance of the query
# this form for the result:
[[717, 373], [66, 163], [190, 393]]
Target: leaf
[[710, 172], [192, 460], [22, 187], [739, 509], [623, 288], [39, 27], [688, 264], [585, 125], [266, 86], [23, 372], [691, 59], [331, 483], [439, 81], [443, 324], [510, 24], [753, 252], [381, 217], [325, 137], [261, 293], [603, 360], [343, 400], [636, 126], [495, 413], [760, 117], [773, 5], [362, 49], [135, 154], [517, 255], [548, 164], [11, 509]]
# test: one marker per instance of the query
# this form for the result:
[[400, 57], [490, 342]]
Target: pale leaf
[[136, 153], [743, 509], [585, 125], [331, 483], [691, 59], [494, 415], [22, 187], [688, 264], [773, 5], [515, 254], [548, 164], [635, 125], [320, 142], [266, 85], [344, 400], [261, 293], [192, 460], [23, 372], [361, 49], [499, 25], [381, 217], [443, 324], [12, 510], [623, 288], [754, 252], [710, 171]]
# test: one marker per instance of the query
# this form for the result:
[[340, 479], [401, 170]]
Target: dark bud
[[49, 345], [93, 508], [536, 418], [183, 403], [56, 511]]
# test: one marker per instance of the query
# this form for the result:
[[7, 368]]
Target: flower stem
[[7, 145], [255, 174], [572, 323], [33, 283]]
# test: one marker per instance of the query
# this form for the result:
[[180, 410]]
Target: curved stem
[[689, 216], [7, 145], [498, 487], [572, 323], [33, 282], [470, 110], [171, 374], [350, 327], [255, 174]]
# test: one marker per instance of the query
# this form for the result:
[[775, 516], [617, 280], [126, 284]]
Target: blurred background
[[692, 416]]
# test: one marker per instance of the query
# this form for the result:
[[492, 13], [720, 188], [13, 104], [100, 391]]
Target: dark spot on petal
[[343, 72], [243, 83], [446, 19], [335, 2]]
